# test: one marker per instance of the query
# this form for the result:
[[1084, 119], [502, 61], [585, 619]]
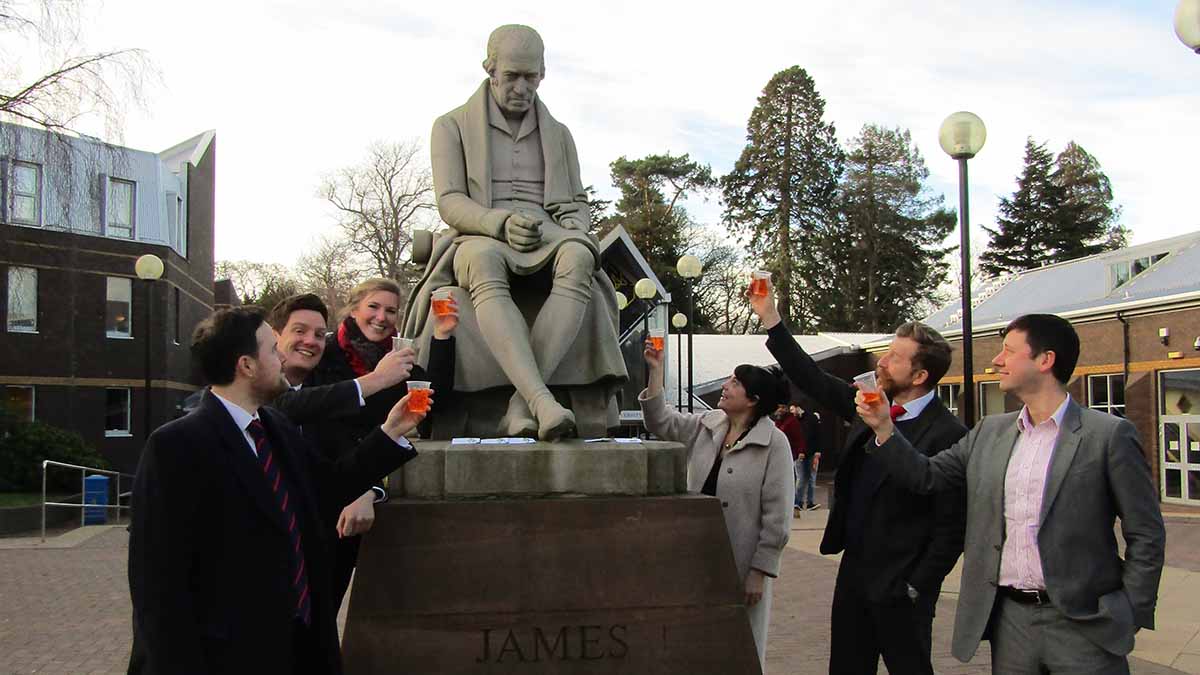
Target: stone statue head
[[515, 64]]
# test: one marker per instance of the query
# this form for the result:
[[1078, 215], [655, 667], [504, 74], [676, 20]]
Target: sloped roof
[[1081, 286]]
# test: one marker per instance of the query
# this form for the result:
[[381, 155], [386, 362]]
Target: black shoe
[[812, 507]]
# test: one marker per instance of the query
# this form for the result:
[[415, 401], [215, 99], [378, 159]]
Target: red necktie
[[897, 411], [278, 484]]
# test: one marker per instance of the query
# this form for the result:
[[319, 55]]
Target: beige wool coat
[[756, 487]]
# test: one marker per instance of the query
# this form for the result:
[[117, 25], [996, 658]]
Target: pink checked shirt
[[1024, 487]]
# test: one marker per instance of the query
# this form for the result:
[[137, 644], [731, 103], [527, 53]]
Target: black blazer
[[336, 435], [208, 548], [908, 538]]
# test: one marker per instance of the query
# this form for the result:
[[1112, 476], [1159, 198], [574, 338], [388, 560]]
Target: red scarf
[[348, 333]]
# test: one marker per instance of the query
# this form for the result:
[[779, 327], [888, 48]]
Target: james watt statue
[[506, 177]]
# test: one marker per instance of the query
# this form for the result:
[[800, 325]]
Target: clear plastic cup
[[759, 280], [441, 300], [418, 396], [658, 339], [399, 343], [869, 387]]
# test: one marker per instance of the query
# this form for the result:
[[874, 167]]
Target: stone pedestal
[[564, 558]]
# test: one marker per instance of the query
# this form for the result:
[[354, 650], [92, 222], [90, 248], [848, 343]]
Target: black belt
[[1025, 596]]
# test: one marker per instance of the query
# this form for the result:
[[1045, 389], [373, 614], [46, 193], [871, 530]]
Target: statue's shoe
[[554, 421], [518, 422]]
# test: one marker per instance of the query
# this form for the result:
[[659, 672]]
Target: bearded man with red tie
[[229, 559], [897, 546]]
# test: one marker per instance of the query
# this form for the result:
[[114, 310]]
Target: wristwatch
[[912, 592]]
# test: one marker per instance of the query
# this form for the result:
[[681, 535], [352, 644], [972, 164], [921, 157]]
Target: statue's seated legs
[[528, 356]]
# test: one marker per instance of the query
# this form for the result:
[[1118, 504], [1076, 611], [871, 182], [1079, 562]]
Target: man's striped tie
[[279, 487]]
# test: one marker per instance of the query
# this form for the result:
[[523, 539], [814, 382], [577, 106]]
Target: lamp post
[[149, 268], [689, 267], [1187, 24], [645, 290], [962, 136], [679, 321]]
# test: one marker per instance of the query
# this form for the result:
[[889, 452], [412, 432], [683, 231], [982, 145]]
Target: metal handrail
[[82, 505]]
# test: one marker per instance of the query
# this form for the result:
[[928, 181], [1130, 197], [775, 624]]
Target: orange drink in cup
[[418, 396], [441, 301], [758, 283], [869, 387], [658, 338]]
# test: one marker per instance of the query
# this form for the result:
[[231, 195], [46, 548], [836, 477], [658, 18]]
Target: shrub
[[23, 447]]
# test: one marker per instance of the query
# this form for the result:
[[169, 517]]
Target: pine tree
[[1087, 221], [1024, 235], [783, 190], [888, 258]]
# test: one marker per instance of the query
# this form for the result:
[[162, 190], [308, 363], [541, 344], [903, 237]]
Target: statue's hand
[[572, 224], [523, 232]]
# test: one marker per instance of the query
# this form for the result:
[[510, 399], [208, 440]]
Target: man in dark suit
[[1043, 579], [229, 558], [897, 546]]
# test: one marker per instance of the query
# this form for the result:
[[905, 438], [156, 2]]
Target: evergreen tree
[[1087, 220], [1024, 234], [888, 257], [1062, 210], [783, 190], [649, 210]]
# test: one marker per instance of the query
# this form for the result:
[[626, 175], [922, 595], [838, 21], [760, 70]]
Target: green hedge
[[23, 447]]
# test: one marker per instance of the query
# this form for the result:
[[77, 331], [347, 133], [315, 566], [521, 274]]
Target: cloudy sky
[[297, 89]]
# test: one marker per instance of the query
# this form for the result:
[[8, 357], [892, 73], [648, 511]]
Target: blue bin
[[95, 491]]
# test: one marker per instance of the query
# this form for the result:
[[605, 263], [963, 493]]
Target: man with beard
[[229, 558], [897, 546]]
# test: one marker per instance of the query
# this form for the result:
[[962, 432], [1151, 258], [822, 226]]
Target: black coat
[[336, 435], [907, 538], [208, 549]]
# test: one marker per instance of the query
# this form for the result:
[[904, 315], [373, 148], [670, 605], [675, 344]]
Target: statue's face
[[515, 79]]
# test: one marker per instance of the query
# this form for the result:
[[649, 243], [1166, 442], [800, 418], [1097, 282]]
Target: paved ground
[[64, 608]]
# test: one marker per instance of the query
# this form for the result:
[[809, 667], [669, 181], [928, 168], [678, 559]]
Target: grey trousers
[[1038, 639]]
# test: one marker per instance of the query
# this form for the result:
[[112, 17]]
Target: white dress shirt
[[914, 408]]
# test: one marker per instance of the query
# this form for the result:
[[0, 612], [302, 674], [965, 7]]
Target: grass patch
[[27, 498]]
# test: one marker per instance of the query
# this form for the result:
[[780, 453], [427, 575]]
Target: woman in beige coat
[[736, 454]]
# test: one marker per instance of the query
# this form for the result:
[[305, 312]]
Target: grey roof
[[1081, 286], [717, 355]]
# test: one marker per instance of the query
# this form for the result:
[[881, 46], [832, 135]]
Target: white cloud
[[298, 89]]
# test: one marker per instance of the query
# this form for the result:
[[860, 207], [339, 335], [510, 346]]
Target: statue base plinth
[[642, 585]]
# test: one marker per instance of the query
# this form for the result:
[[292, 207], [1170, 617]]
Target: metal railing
[[82, 505]]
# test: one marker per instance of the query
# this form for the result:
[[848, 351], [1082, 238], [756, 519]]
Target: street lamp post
[[679, 321], [689, 267], [1187, 24], [645, 290], [962, 136], [149, 268]]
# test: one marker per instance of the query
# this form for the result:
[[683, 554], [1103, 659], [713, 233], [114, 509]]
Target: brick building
[[75, 213], [1137, 311]]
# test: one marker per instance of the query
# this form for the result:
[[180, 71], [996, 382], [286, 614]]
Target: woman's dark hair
[[769, 388]]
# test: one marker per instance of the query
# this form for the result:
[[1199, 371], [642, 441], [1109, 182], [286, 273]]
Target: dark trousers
[[345, 557], [306, 658], [898, 629]]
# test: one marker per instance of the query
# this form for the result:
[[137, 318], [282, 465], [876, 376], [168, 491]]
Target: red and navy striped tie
[[279, 487]]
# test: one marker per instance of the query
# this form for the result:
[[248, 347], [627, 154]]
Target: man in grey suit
[[1042, 578]]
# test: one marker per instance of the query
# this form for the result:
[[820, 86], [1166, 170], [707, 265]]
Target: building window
[[22, 300], [118, 308], [949, 394], [20, 401], [116, 412], [1120, 273], [27, 193], [1106, 393], [991, 399], [120, 208]]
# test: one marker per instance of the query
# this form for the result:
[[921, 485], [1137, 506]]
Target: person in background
[[787, 422], [736, 454], [810, 459]]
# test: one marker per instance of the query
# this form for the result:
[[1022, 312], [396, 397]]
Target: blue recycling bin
[[95, 492]]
